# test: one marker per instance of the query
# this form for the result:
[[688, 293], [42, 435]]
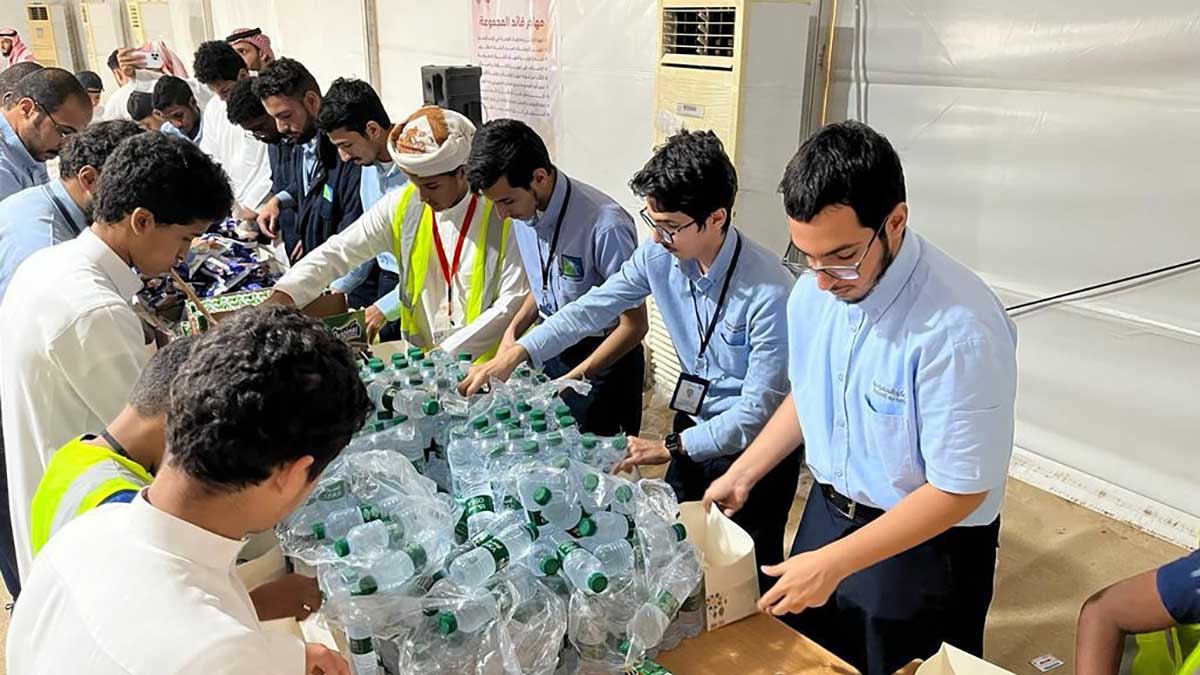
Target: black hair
[[349, 104], [90, 80], [265, 387], [151, 395], [51, 88], [113, 62], [284, 77], [690, 173], [242, 106], [10, 76], [92, 146], [848, 164], [216, 61], [140, 105], [169, 176], [170, 90], [506, 148]]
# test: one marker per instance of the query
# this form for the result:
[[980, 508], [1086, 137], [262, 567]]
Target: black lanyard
[[549, 261], [62, 210], [112, 443], [706, 336]]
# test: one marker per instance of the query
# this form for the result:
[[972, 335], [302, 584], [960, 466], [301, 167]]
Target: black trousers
[[763, 517], [8, 552], [903, 608], [614, 405]]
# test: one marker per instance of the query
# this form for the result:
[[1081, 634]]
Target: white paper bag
[[730, 571], [954, 661]]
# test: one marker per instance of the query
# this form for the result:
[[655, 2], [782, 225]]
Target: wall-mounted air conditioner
[[51, 34]]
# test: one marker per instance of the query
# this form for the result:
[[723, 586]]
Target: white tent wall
[[1050, 146]]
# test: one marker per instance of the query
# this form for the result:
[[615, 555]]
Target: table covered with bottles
[[487, 534]]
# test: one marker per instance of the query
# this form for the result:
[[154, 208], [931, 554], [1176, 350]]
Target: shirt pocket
[[732, 350], [885, 430]]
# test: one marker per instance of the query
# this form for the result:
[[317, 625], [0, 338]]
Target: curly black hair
[[691, 174], [265, 387], [243, 107], [169, 176], [92, 146], [349, 104], [216, 61], [151, 395], [848, 164], [285, 77], [506, 148]]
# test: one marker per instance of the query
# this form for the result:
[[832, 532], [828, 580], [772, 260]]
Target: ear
[[540, 176], [372, 130], [292, 477], [897, 221], [27, 107], [312, 102], [243, 73], [88, 177], [717, 218], [141, 221]]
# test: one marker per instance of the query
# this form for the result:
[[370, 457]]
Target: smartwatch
[[674, 446]]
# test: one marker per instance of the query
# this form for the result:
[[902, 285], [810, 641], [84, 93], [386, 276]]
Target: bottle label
[[512, 503], [461, 531], [417, 555], [333, 492], [498, 550], [479, 504], [389, 397], [576, 530], [667, 603], [567, 548], [361, 645], [537, 519]]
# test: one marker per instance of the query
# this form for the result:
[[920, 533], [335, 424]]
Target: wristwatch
[[674, 445]]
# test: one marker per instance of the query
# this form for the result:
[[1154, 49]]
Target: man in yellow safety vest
[[113, 466], [461, 278]]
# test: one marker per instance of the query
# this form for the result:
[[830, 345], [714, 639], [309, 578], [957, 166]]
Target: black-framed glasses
[[796, 261], [62, 129], [667, 235]]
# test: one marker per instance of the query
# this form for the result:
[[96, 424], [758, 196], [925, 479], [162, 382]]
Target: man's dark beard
[[309, 133], [885, 264]]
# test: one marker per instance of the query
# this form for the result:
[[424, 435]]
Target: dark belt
[[848, 507]]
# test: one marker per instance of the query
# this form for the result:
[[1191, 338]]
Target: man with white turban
[[461, 278]]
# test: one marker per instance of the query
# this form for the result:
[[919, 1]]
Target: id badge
[[689, 394]]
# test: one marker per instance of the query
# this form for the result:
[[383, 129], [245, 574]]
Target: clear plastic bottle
[[582, 568], [508, 544], [542, 559], [674, 583], [335, 525], [488, 607], [391, 571], [372, 536], [409, 441], [479, 506], [691, 617], [659, 540], [363, 660], [616, 557], [611, 527]]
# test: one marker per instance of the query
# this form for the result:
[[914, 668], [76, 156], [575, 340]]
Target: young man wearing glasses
[[45, 107], [903, 379], [723, 299]]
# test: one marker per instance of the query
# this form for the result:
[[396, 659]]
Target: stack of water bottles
[[486, 534]]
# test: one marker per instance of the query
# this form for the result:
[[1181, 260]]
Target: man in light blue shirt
[[358, 125], [903, 383], [723, 299], [572, 238], [49, 214], [46, 106]]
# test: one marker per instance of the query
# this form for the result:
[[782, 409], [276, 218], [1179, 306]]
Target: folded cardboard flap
[[331, 308], [951, 660]]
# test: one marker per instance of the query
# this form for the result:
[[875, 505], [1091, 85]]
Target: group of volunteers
[[878, 361]]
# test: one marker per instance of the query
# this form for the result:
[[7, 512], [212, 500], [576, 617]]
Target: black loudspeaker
[[454, 88]]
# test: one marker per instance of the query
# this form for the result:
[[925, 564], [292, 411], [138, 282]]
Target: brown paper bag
[[730, 572]]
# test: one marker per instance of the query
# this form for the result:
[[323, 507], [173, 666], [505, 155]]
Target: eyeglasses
[[668, 236], [796, 262], [62, 129]]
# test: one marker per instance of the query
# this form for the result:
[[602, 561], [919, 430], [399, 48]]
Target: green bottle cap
[[586, 527], [514, 433], [538, 415], [523, 407], [503, 414], [553, 438], [490, 432], [479, 423], [529, 447], [427, 364], [597, 582], [680, 531], [623, 648], [550, 566], [318, 531], [561, 462], [542, 496], [538, 426], [620, 442], [431, 407], [447, 624], [400, 418], [465, 356], [341, 547], [416, 382], [385, 415], [496, 451], [588, 440], [366, 586], [624, 494], [591, 481], [562, 410], [566, 421]]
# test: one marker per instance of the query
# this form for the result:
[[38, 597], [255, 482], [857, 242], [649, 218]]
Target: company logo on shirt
[[893, 394], [327, 193], [571, 266]]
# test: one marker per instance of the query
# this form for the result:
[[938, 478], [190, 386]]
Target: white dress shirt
[[129, 589], [242, 156], [372, 234], [73, 349]]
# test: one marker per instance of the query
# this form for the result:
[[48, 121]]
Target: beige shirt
[[131, 590]]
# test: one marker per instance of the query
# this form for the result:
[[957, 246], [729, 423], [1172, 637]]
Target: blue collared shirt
[[172, 130], [376, 181], [18, 168], [1178, 586], [746, 359], [596, 238], [914, 384], [33, 219], [308, 166]]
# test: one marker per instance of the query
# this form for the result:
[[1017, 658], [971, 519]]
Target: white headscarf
[[433, 141]]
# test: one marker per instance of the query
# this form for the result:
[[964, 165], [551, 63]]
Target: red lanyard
[[449, 273]]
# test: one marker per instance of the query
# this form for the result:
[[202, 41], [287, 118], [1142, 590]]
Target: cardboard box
[[730, 572], [953, 661], [330, 308], [757, 645]]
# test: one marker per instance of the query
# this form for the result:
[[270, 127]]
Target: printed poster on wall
[[514, 42]]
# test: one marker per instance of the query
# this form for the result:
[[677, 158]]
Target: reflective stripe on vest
[[484, 284], [1175, 651], [80, 476]]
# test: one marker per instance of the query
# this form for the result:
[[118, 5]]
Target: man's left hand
[[641, 452], [805, 580], [376, 320]]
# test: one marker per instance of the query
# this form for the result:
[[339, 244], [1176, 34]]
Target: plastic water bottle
[[510, 543], [660, 541], [691, 618], [337, 524], [391, 571], [375, 535], [362, 650], [496, 603], [616, 557], [542, 559], [675, 582], [581, 568], [623, 498], [611, 527], [409, 441]]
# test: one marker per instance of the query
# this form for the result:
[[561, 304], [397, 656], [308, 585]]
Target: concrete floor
[[1053, 555]]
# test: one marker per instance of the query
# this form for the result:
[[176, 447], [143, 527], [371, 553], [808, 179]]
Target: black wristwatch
[[674, 445]]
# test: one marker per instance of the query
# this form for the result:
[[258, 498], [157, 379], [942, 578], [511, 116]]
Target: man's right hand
[[321, 660], [376, 320], [500, 367], [129, 60], [268, 218], [729, 492]]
